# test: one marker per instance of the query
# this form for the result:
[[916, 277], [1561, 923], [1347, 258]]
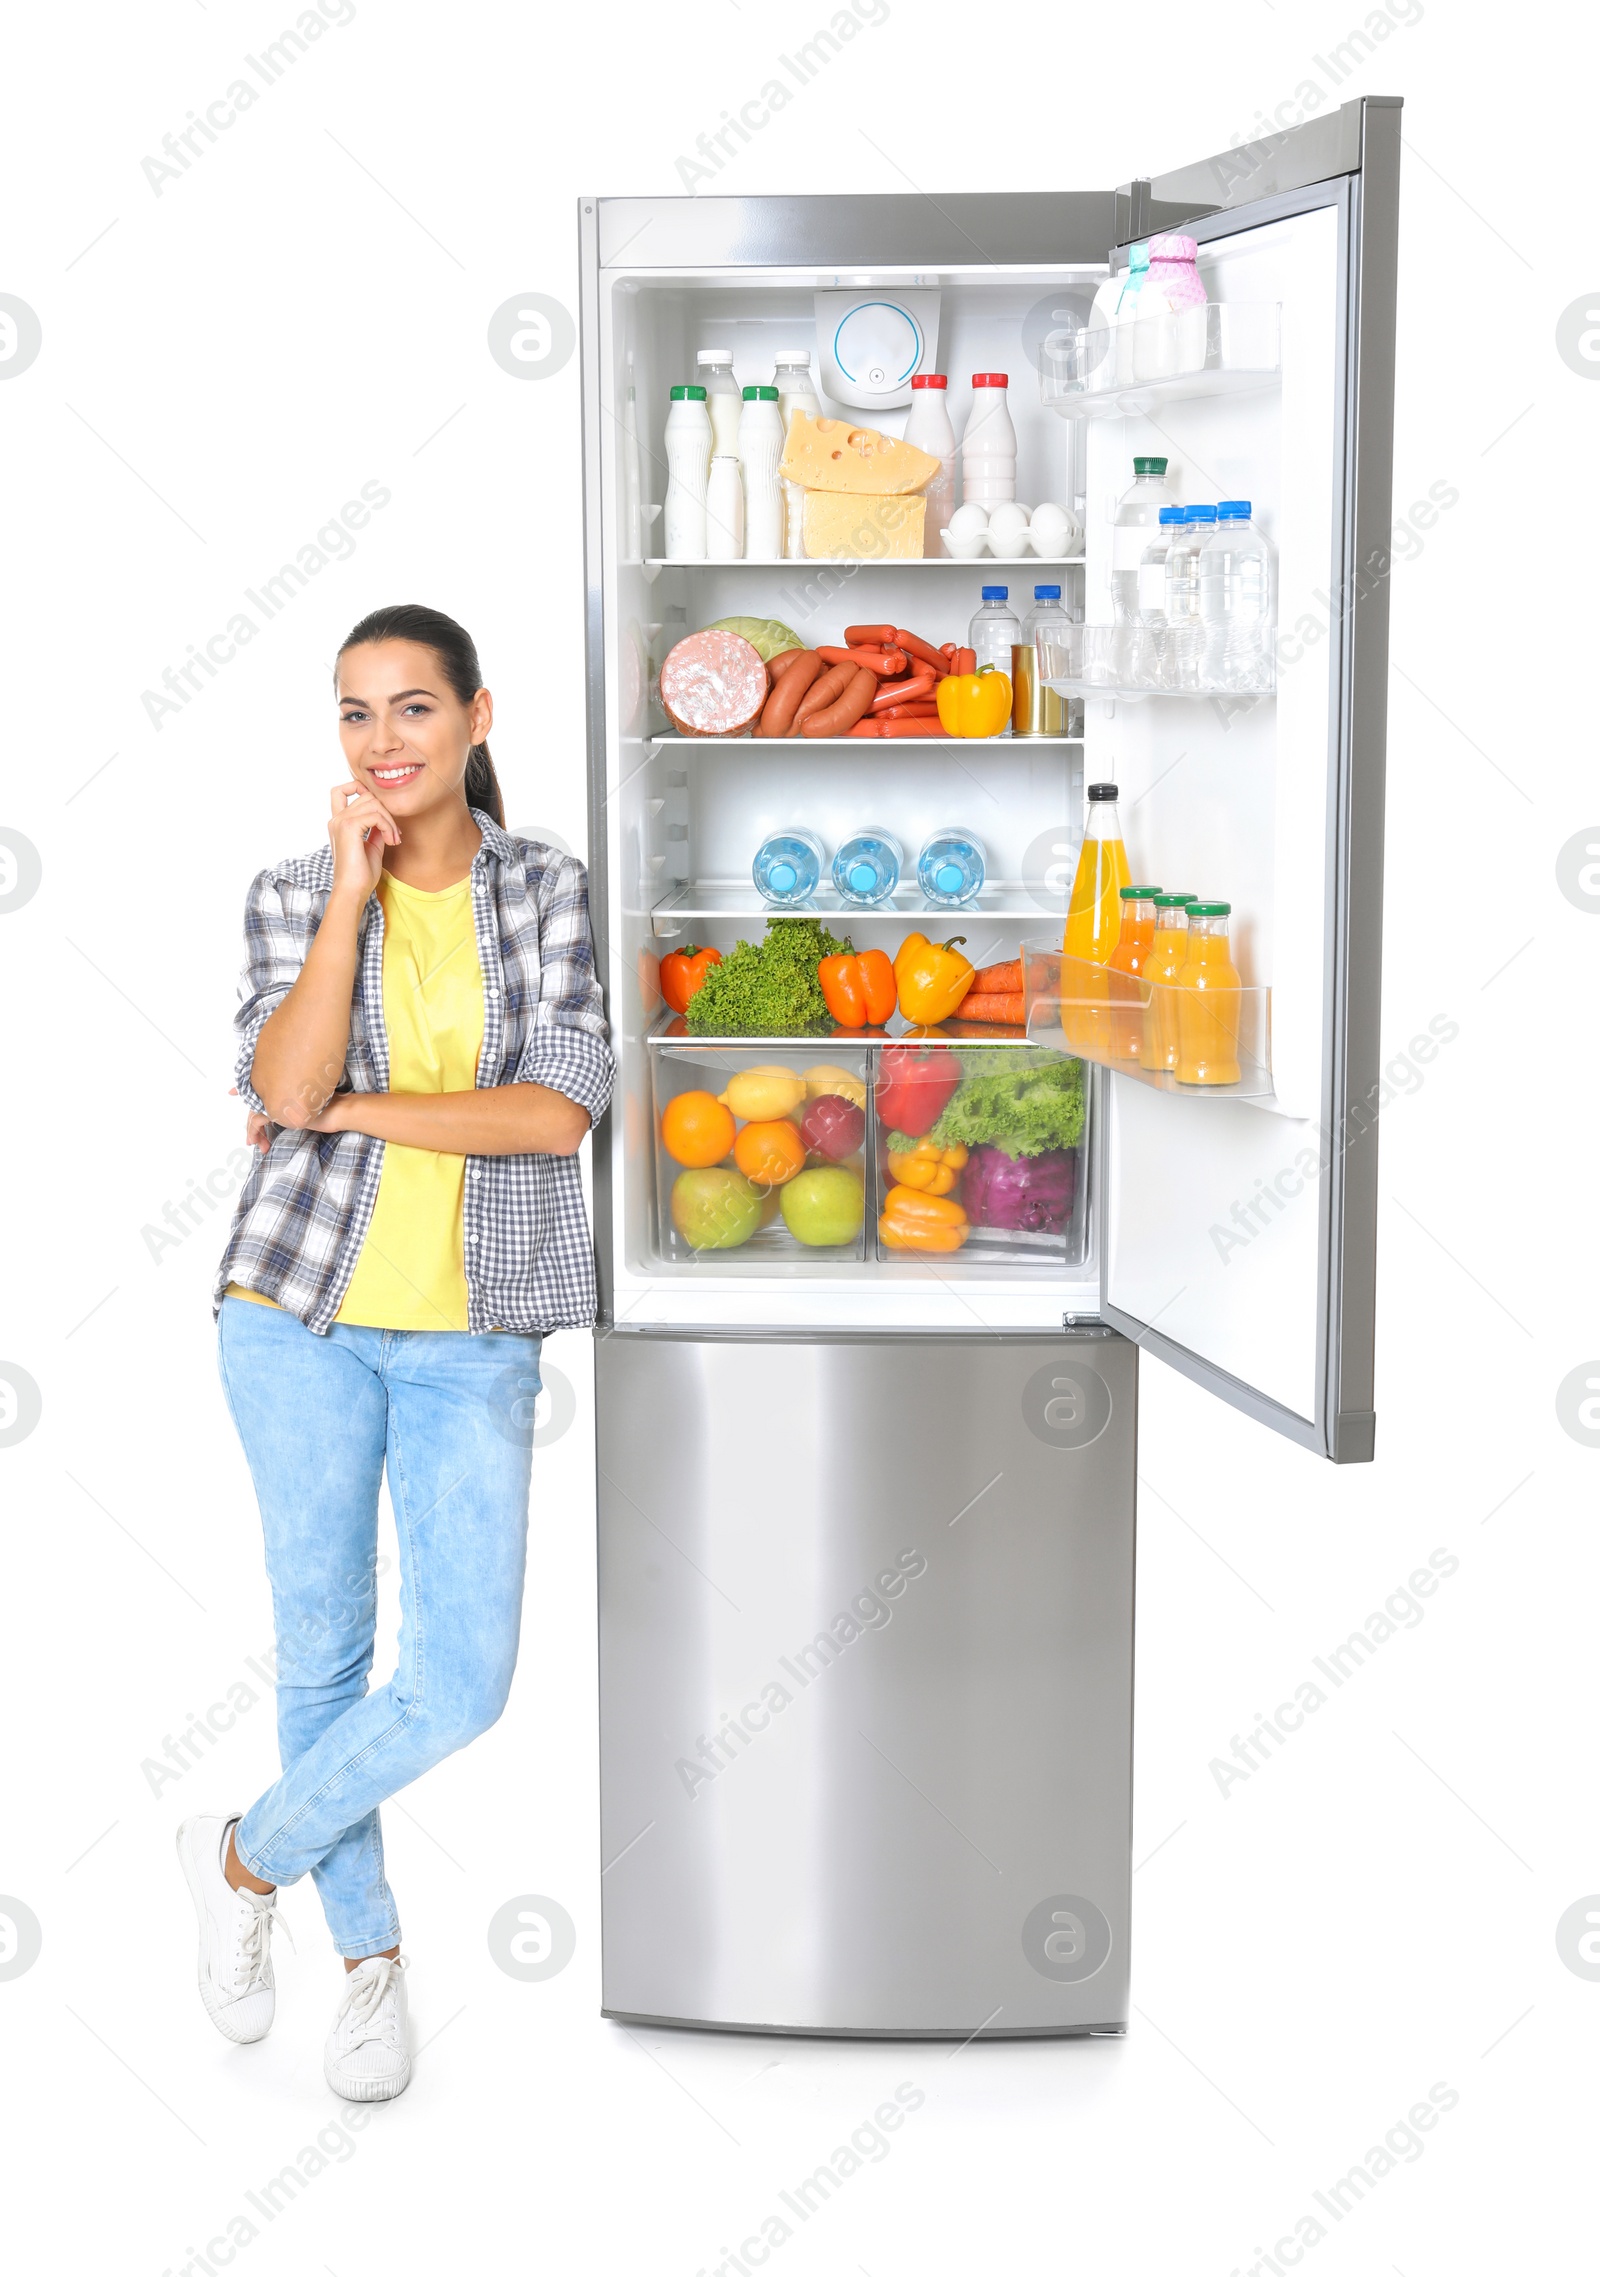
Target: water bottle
[[866, 868], [1150, 635], [1136, 522], [788, 866], [1185, 634], [1035, 709], [1235, 601], [950, 868], [993, 633]]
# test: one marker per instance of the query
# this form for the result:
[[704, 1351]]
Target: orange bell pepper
[[932, 977], [926, 1165], [922, 1221], [858, 988], [682, 971], [975, 703]]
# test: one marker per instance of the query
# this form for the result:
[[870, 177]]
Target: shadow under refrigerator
[[866, 1515]]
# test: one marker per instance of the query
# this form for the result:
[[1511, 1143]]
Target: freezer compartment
[[1157, 1033], [866, 1665]]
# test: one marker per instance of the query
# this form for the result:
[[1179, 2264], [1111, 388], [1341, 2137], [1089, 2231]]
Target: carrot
[[997, 980], [1000, 1010], [869, 636]]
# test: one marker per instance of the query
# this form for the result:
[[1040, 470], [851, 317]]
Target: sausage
[[784, 701], [841, 715], [869, 636], [886, 662], [920, 649], [912, 725], [965, 660], [832, 684], [905, 711], [902, 691], [777, 666]]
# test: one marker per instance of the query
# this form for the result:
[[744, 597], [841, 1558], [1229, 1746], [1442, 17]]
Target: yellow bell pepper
[[922, 1221], [974, 703], [928, 1166], [931, 976]]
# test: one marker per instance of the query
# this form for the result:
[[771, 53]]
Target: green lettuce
[[770, 987], [1025, 1105]]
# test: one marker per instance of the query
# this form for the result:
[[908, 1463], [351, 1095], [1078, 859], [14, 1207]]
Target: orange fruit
[[696, 1129], [770, 1154]]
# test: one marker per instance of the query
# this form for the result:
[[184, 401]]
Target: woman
[[421, 1026]]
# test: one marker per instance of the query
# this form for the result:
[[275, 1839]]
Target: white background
[[1373, 1911]]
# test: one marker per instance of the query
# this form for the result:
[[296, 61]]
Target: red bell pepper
[[914, 1086], [858, 987]]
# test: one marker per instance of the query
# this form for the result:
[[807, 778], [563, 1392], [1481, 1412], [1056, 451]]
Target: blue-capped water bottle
[[866, 868], [950, 868], [788, 866]]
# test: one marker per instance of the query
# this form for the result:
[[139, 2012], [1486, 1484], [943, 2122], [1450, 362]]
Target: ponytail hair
[[458, 659]]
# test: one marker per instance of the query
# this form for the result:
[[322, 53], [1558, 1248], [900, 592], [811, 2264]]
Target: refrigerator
[[867, 1514]]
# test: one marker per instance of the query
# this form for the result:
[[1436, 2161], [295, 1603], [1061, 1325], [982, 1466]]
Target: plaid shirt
[[304, 1212]]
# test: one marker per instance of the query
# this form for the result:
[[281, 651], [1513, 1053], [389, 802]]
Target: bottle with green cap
[[1128, 958], [683, 536], [1137, 520], [1163, 967], [1208, 1000], [760, 448]]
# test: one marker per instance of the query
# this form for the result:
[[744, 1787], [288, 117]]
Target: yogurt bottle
[[760, 448], [928, 427], [714, 370], [989, 446], [796, 392], [688, 462], [724, 509]]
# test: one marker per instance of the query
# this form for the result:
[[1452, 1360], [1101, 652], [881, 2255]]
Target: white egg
[[1055, 531], [1007, 526], [968, 521]]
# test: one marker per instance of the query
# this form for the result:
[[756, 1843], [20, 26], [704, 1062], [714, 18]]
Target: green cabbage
[[766, 635]]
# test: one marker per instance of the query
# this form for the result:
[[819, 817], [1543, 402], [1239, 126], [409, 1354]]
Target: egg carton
[[974, 531]]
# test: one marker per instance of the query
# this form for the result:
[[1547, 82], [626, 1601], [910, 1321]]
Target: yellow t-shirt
[[410, 1272]]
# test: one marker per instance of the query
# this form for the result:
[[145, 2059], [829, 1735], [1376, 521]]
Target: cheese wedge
[[830, 454], [838, 528]]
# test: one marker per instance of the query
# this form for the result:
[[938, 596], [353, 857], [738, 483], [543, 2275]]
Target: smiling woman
[[423, 1043]]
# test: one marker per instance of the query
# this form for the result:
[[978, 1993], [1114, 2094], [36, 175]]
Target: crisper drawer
[[853, 1154]]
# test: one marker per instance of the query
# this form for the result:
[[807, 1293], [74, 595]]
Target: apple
[[715, 1209], [833, 1126], [823, 1207]]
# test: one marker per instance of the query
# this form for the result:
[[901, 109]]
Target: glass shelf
[[861, 742], [1126, 663], [1135, 1026], [915, 561], [1128, 370], [740, 903]]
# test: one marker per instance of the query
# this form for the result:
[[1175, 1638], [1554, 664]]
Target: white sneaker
[[368, 2056], [235, 1933]]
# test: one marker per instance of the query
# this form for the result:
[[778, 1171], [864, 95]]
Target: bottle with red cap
[[928, 427], [989, 446]]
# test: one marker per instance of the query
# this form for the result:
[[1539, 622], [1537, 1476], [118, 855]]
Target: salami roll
[[713, 683]]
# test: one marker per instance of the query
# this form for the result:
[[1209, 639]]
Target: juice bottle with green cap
[[1134, 941], [1208, 1000], [1169, 952]]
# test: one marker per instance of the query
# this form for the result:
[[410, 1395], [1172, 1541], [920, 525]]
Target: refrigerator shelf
[[1121, 663], [1116, 1020], [858, 742], [1224, 348], [916, 561], [671, 1033], [741, 902]]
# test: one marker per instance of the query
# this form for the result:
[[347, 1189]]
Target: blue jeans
[[319, 1416]]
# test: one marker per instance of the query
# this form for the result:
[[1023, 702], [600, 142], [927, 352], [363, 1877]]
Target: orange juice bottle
[[1168, 954], [1133, 946], [1208, 1000], [1094, 923]]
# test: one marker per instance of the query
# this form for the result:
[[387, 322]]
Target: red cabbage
[[1028, 1193]]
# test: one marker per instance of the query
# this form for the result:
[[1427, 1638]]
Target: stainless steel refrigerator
[[866, 1515]]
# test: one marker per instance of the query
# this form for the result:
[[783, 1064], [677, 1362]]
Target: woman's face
[[406, 734]]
